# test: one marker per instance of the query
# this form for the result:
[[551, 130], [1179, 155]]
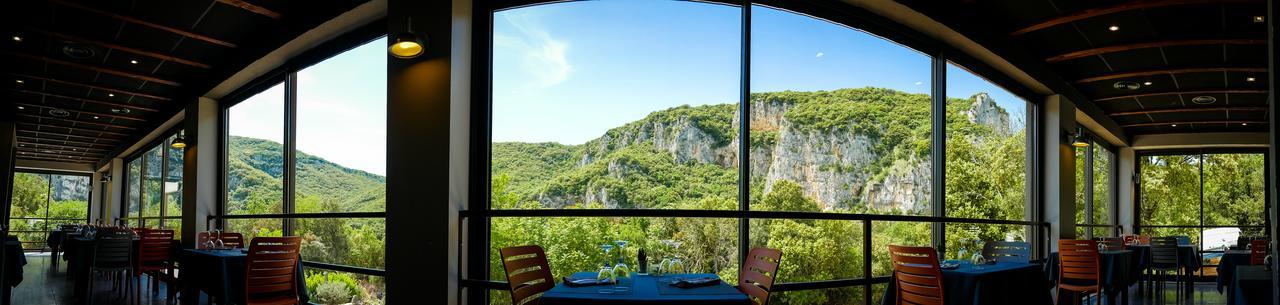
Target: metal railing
[[313, 264]]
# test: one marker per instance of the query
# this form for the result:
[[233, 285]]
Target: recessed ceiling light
[[120, 110], [1175, 125], [1259, 19], [111, 95], [1244, 124], [133, 61], [95, 117], [1114, 28], [1146, 83], [1250, 79], [73, 149], [17, 38], [1204, 100], [1126, 85], [21, 108], [19, 81], [59, 113], [23, 145]]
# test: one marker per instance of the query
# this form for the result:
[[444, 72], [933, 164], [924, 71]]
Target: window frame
[[48, 201], [475, 218], [162, 141], [1114, 186]]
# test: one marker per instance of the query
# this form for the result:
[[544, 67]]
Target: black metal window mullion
[[290, 139], [744, 132], [938, 122], [1088, 189]]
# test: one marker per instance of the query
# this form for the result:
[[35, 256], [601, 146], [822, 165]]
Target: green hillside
[[254, 172]]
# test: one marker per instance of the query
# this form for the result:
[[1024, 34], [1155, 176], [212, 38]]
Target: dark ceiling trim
[[74, 121], [124, 48], [1183, 110], [95, 87], [1192, 123], [72, 129], [146, 23], [1241, 91], [65, 141], [1118, 8], [35, 158], [252, 8], [83, 112], [1153, 44], [99, 69], [85, 100], [59, 134], [74, 148], [52, 156], [1169, 71], [63, 152]]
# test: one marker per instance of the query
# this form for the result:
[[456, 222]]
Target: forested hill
[[255, 170], [857, 148]]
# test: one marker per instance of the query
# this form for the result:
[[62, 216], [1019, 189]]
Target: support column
[[1059, 169], [1273, 84], [8, 143], [200, 128], [1126, 217]]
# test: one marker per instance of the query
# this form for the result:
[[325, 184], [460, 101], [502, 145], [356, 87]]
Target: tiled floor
[[1204, 294], [42, 285]]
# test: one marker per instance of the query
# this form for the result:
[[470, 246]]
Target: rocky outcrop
[[984, 111]]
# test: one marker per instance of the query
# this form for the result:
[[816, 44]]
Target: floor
[[42, 285], [1205, 294]]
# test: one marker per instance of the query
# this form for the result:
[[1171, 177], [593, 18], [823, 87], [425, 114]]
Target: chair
[[757, 275], [917, 275], [1112, 243], [1144, 239], [1241, 242], [201, 238], [528, 274], [155, 258], [1078, 264], [1164, 258], [1007, 251], [271, 271], [112, 253], [234, 240], [1258, 251], [1129, 239]]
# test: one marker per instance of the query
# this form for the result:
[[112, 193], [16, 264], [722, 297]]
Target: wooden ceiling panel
[[1135, 60]]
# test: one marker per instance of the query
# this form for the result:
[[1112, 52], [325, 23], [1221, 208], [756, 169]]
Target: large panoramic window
[[639, 115], [154, 180], [321, 175], [1094, 190], [42, 201]]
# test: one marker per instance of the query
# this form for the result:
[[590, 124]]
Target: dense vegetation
[[1234, 190], [985, 168], [53, 199]]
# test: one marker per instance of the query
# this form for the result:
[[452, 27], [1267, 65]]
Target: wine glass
[[606, 273], [218, 244], [621, 267]]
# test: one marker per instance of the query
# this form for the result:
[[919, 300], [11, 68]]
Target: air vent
[[121, 110], [1127, 85], [78, 50], [59, 113], [1204, 100]]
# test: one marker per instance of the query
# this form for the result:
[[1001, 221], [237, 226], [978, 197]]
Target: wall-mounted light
[[178, 141], [1079, 139], [407, 44]]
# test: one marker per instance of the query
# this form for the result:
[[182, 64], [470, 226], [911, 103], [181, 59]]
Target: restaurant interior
[[765, 152]]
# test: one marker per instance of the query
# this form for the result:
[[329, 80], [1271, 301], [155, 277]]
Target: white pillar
[[1059, 168]]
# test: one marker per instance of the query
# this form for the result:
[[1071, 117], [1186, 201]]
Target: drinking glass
[[217, 242], [621, 267], [606, 273]]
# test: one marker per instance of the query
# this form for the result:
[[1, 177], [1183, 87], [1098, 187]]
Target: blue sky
[[568, 72]]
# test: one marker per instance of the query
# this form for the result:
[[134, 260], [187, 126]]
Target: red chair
[[917, 275], [1078, 264], [1258, 251], [234, 240], [757, 275], [201, 238], [155, 258], [528, 274], [271, 271]]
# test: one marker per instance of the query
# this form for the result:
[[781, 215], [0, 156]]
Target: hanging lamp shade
[[406, 45], [1080, 139], [178, 142]]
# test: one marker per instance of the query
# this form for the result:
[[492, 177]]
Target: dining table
[[14, 260], [78, 253], [998, 283], [1118, 270], [220, 273], [1188, 258], [644, 289], [1250, 285], [1227, 266]]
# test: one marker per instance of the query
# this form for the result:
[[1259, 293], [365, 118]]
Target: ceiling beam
[[252, 8], [71, 129], [1192, 122], [1237, 91], [83, 112], [41, 117], [1169, 71], [38, 132], [121, 91], [54, 156], [126, 49], [1118, 8], [146, 24], [77, 148], [26, 157], [64, 141], [1184, 110], [85, 100], [99, 69], [77, 153], [1154, 44]]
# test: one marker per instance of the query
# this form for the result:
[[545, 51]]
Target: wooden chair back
[[1078, 260], [112, 251], [1007, 251], [234, 240], [1112, 243], [1243, 241], [1129, 239], [758, 272], [917, 275], [271, 269], [155, 246], [201, 238], [1164, 252], [1258, 251], [528, 273]]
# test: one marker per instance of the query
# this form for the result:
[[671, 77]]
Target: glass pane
[[885, 233], [173, 182], [341, 129], [335, 287], [1102, 182], [256, 227], [1170, 188], [986, 149], [813, 250], [1081, 157], [588, 110], [852, 295], [30, 196], [966, 239], [1235, 189], [70, 199], [152, 183], [1193, 233], [839, 112], [344, 241], [135, 188], [574, 244], [255, 157]]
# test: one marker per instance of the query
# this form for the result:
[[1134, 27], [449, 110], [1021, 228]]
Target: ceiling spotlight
[[1146, 83], [1256, 19], [21, 108], [1175, 125], [111, 95], [1080, 139], [1244, 124], [1204, 100], [1126, 85], [121, 110], [95, 117], [133, 61], [1250, 79], [407, 44], [19, 81], [1114, 28], [17, 38], [73, 149]]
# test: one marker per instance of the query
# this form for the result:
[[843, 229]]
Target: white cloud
[[819, 55], [919, 83], [542, 56]]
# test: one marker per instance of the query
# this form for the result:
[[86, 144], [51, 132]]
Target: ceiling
[[1152, 66], [86, 79]]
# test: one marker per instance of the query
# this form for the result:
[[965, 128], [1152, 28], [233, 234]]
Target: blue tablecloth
[[221, 273], [13, 261], [644, 290], [1188, 256], [1227, 266], [1250, 285], [1119, 271], [1002, 283]]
